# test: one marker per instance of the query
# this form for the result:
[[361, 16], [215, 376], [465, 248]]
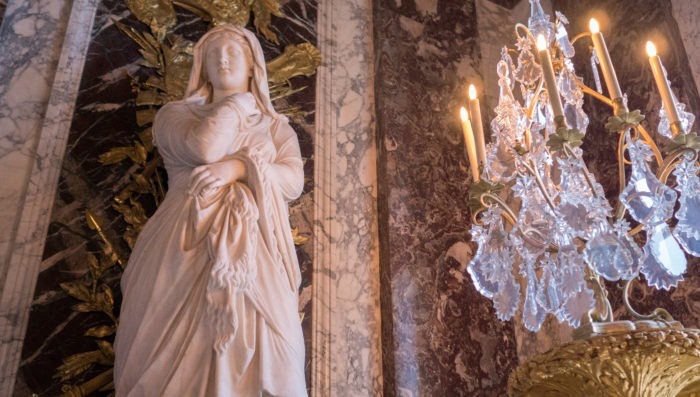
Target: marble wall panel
[[32, 35], [42, 56], [105, 118], [686, 14], [440, 336]]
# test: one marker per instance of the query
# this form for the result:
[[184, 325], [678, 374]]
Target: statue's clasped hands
[[208, 177]]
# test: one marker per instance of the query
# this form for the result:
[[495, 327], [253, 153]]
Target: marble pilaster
[[687, 14], [41, 56], [346, 343]]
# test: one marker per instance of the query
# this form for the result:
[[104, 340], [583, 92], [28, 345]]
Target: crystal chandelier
[[547, 236]]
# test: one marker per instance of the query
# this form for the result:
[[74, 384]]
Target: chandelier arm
[[532, 169], [600, 294], [509, 215], [657, 314], [535, 99], [519, 26], [580, 35], [590, 91], [639, 128], [621, 177], [672, 160]]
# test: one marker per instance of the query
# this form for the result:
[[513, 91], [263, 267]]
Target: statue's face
[[226, 64]]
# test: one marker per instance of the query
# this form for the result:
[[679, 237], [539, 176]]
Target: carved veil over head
[[199, 86]]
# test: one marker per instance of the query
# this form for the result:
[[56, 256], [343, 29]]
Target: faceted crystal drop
[[647, 199], [664, 262], [507, 300], [533, 314], [577, 306], [613, 254], [687, 231]]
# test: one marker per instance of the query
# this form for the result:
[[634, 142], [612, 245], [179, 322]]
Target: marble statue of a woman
[[210, 291]]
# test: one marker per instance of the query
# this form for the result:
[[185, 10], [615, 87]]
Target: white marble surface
[[687, 14], [346, 319], [30, 44], [41, 57]]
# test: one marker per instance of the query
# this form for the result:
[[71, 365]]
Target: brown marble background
[[440, 336], [3, 5], [105, 118]]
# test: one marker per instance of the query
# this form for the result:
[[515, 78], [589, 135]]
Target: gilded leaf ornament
[[663, 362]]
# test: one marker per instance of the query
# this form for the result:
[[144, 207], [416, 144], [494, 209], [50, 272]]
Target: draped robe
[[210, 290]]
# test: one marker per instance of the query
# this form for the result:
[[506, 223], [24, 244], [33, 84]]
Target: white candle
[[478, 127], [605, 63], [548, 73], [469, 140], [662, 85]]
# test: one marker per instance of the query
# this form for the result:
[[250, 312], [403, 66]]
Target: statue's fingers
[[211, 184], [199, 181], [197, 177], [202, 169]]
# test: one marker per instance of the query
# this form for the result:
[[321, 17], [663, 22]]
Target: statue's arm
[[287, 170]]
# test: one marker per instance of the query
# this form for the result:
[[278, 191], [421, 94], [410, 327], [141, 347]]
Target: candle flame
[[472, 91], [593, 25], [541, 42], [651, 49], [463, 114]]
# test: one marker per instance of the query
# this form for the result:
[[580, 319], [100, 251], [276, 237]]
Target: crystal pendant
[[507, 300], [687, 231], [539, 22], [528, 70], [577, 306], [535, 221], [570, 275], [647, 199], [613, 254], [479, 265], [533, 313], [583, 209], [493, 261], [563, 36], [548, 293], [508, 128], [664, 262]]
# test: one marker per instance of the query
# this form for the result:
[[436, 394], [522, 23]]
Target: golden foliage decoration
[[299, 239], [662, 362], [159, 12], [161, 15], [296, 60]]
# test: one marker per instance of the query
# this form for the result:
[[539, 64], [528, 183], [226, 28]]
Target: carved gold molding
[[645, 363]]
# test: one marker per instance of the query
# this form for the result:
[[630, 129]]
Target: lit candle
[[664, 89], [469, 140], [475, 111], [548, 73], [605, 63]]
